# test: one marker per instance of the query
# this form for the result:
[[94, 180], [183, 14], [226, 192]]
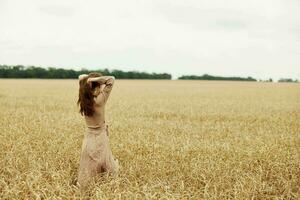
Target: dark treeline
[[220, 78], [20, 71], [288, 80]]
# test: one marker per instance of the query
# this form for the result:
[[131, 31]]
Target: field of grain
[[173, 139]]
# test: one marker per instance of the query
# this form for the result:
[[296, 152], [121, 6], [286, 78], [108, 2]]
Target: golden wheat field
[[173, 139]]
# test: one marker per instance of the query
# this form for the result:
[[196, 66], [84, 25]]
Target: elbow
[[111, 80]]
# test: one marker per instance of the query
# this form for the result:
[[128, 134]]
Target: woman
[[96, 156]]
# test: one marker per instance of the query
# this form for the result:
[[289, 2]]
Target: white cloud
[[237, 37]]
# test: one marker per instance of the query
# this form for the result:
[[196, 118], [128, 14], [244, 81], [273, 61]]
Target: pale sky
[[259, 38]]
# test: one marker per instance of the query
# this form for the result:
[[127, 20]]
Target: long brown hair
[[86, 95]]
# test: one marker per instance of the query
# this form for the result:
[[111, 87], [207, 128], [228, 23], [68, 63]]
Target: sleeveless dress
[[96, 156]]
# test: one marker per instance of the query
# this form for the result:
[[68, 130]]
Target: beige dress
[[96, 156]]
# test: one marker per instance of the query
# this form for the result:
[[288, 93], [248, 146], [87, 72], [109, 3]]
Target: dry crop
[[173, 139]]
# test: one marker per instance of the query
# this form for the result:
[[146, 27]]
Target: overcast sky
[[259, 38]]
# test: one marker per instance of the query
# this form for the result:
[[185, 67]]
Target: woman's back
[[96, 155]]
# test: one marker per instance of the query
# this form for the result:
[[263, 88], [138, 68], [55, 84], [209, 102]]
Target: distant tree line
[[220, 78], [267, 80], [20, 71], [288, 80]]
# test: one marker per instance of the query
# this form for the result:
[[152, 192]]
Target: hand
[[82, 76]]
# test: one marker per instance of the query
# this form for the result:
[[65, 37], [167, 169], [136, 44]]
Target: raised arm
[[106, 85], [102, 79]]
